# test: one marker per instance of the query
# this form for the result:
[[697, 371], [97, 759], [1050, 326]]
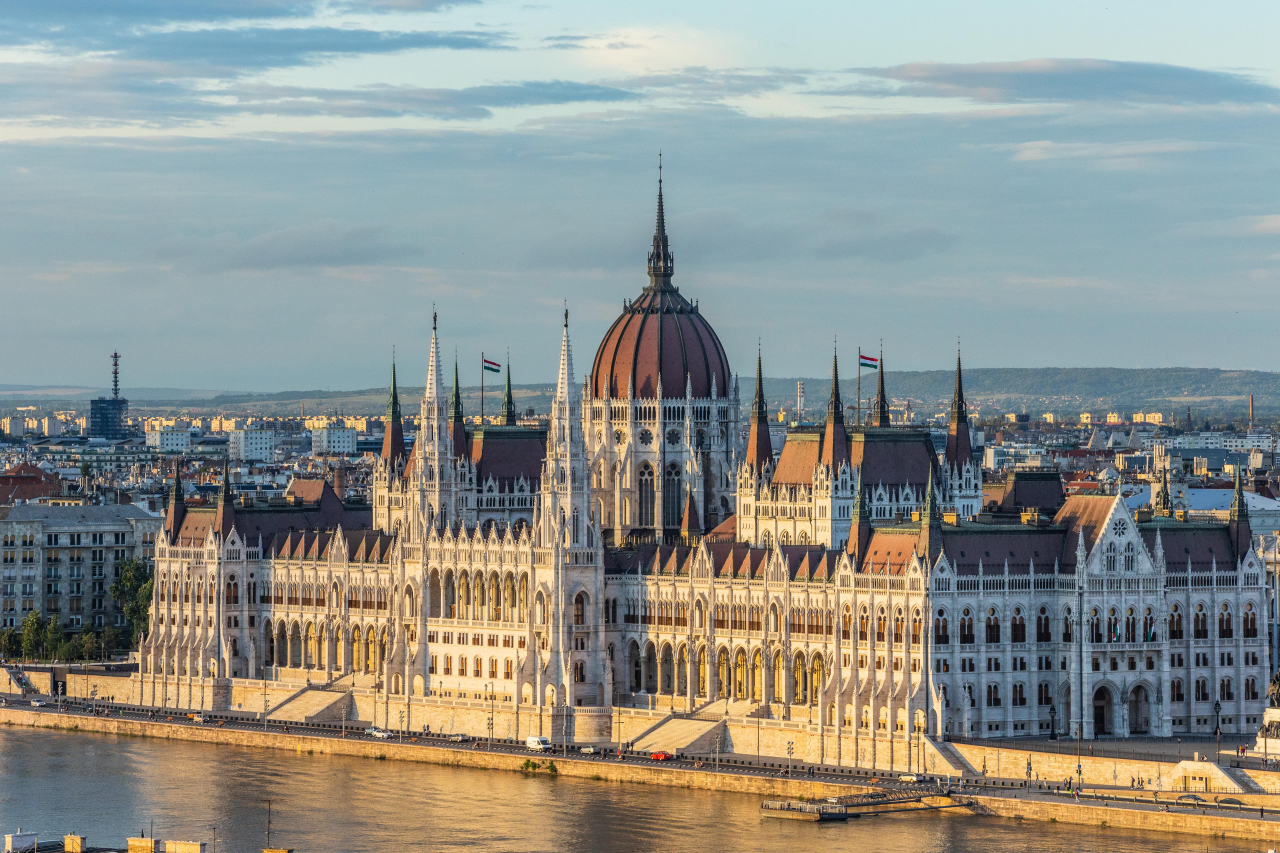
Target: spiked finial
[[880, 411], [661, 264], [959, 409], [508, 413], [1239, 507], [835, 408], [455, 402]]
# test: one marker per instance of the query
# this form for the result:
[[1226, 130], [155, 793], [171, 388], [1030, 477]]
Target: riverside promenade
[[1257, 819]]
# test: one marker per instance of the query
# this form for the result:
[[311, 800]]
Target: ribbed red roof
[[660, 336]]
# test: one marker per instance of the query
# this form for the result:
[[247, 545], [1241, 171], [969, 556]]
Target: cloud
[[1061, 80], [326, 243], [701, 83], [475, 102], [1103, 155], [1242, 226], [865, 234]]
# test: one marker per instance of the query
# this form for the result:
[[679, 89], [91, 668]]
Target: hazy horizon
[[271, 194]]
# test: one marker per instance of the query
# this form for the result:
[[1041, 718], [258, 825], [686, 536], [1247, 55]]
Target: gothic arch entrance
[[1102, 712], [1139, 711]]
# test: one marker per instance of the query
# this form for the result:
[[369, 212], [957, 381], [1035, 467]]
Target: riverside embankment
[[1022, 805]]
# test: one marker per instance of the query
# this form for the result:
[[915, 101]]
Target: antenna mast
[[115, 376]]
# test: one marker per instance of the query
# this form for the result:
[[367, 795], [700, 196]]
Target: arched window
[[1018, 627], [1175, 623], [1201, 624], [880, 626], [1249, 622], [863, 627], [967, 637], [1109, 558], [1044, 634], [1225, 630], [580, 608], [993, 626], [1130, 559], [233, 591], [1148, 626], [784, 538], [646, 495], [993, 696], [766, 539], [1175, 691], [1224, 690], [576, 526], [1130, 626], [672, 506], [941, 635]]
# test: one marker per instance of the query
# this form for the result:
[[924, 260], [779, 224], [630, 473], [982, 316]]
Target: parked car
[[591, 750], [37, 703], [537, 743], [1189, 798], [459, 738], [909, 777], [380, 734], [661, 755]]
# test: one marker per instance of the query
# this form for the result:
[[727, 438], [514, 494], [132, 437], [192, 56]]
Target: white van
[[538, 744]]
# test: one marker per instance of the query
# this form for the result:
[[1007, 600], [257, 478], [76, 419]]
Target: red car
[[661, 756]]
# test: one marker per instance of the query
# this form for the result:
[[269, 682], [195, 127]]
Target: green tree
[[88, 646], [110, 639], [54, 636], [68, 650], [132, 591], [33, 634], [10, 642]]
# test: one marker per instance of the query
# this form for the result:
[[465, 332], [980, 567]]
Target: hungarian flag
[[868, 362], [491, 366]]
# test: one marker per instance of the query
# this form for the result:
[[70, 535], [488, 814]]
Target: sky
[[261, 195]]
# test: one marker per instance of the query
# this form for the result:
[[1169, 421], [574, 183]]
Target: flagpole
[[482, 388], [859, 386]]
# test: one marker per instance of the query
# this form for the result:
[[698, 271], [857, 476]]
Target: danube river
[[108, 788]]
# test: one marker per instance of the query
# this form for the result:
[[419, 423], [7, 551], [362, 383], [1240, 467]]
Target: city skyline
[[282, 184]]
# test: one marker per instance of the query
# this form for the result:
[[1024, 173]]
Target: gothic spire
[[835, 440], [661, 264], [835, 408], [1163, 504], [455, 401], [433, 392], [508, 412], [880, 410], [393, 429], [759, 445], [959, 410], [1239, 508]]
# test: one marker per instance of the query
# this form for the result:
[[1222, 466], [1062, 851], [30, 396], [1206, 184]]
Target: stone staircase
[[949, 761], [1248, 785], [680, 735], [314, 705]]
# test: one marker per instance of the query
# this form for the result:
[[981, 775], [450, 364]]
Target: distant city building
[[333, 441], [169, 440], [252, 444], [60, 561]]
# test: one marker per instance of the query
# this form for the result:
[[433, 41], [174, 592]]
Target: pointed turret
[[835, 440], [1163, 503], [759, 446], [1238, 520], [177, 509], [566, 389], [661, 264], [859, 525], [929, 545], [959, 443], [434, 392], [393, 433], [880, 410], [224, 514], [457, 427], [690, 527], [508, 412]]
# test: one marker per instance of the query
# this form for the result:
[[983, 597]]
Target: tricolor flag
[[491, 366], [868, 362]]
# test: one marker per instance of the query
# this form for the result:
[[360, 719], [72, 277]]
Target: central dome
[[660, 338]]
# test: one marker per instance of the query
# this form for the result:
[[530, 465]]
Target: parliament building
[[647, 566]]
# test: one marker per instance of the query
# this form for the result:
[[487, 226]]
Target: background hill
[[1221, 394]]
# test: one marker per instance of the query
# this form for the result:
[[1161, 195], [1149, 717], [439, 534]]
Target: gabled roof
[[508, 454]]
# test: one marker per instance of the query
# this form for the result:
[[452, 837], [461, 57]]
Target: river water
[[108, 788]]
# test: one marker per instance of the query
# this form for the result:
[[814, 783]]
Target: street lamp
[[1217, 728], [490, 697], [1053, 723], [791, 748]]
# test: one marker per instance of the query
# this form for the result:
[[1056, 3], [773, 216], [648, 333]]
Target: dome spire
[[959, 410], [508, 403], [661, 264], [880, 412]]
